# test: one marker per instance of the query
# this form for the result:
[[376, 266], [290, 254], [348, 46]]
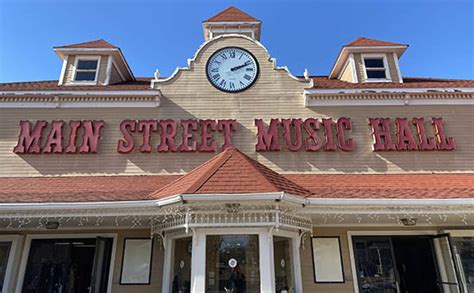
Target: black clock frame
[[236, 91]]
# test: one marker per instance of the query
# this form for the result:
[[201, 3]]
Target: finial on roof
[[306, 73], [157, 74]]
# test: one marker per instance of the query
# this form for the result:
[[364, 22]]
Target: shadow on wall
[[362, 159]]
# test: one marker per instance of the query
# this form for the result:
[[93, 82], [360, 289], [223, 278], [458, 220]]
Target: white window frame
[[198, 256], [388, 77], [12, 260], [85, 82], [27, 246]]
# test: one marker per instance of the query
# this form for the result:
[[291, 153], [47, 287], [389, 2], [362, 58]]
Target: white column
[[296, 264], [198, 263], [166, 285], [267, 270]]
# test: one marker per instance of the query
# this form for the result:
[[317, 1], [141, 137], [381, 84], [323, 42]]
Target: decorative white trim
[[86, 93], [387, 102], [108, 71], [12, 263], [460, 233], [207, 43], [385, 202], [315, 91], [27, 246], [63, 70], [388, 77], [212, 23], [59, 102], [97, 58]]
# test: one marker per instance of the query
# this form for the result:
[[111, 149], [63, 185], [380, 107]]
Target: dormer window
[[86, 69], [376, 68]]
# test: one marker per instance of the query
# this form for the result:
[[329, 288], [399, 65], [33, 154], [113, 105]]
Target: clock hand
[[240, 66]]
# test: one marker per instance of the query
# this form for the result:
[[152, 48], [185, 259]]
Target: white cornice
[[86, 93]]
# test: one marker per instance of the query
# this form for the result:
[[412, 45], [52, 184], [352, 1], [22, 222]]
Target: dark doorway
[[415, 264], [68, 265], [389, 264]]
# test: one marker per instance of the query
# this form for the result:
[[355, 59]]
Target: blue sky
[[299, 34]]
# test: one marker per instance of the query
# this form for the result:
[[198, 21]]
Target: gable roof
[[232, 14], [230, 172], [91, 44], [366, 42]]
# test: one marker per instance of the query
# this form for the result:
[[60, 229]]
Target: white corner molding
[[63, 70]]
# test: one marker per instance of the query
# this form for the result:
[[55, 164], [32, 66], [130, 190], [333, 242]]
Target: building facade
[[233, 175]]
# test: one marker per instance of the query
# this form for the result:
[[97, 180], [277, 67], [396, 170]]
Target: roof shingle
[[366, 42], [231, 14], [97, 44], [231, 172]]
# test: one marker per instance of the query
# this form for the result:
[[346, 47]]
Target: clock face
[[232, 69]]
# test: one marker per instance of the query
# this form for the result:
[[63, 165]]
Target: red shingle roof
[[120, 188], [52, 85], [91, 44], [230, 172], [231, 14], [388, 185], [322, 82], [366, 42]]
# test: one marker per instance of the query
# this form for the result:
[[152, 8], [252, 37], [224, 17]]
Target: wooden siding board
[[274, 95]]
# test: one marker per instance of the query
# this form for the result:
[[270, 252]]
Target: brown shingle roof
[[231, 14], [91, 44], [366, 42], [230, 172]]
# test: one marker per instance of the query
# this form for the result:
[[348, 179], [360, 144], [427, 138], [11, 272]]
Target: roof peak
[[230, 172], [232, 14], [100, 43], [368, 42]]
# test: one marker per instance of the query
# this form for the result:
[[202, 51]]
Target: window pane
[[87, 64], [376, 74], [232, 264], [464, 251], [375, 265], [182, 265], [4, 253], [85, 76], [374, 62], [283, 262]]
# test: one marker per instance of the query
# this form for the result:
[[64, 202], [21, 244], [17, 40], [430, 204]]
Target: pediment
[[194, 75]]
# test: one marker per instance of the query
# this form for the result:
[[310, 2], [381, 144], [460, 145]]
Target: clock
[[232, 69]]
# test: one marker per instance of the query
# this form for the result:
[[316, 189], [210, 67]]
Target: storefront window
[[183, 248], [4, 253], [283, 262], [464, 253], [375, 265], [68, 265], [232, 264]]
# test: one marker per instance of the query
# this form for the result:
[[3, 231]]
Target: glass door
[[375, 264], [232, 264], [449, 278]]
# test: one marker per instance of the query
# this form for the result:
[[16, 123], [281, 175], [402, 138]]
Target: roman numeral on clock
[[232, 54], [223, 82], [247, 77], [216, 76]]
